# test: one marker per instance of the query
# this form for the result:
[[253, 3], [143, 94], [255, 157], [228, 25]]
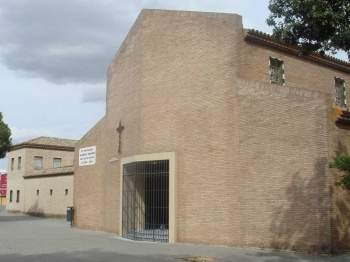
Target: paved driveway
[[30, 239]]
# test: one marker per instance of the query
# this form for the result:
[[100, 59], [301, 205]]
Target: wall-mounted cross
[[120, 129]]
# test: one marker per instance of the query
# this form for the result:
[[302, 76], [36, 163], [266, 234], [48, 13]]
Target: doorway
[[145, 200]]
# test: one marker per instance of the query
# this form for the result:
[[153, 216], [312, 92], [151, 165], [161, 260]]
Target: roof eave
[[43, 175], [266, 40], [42, 146]]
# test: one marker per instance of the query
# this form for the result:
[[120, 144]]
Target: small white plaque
[[87, 156]]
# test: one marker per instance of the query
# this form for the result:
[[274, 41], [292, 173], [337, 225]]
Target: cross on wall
[[120, 129]]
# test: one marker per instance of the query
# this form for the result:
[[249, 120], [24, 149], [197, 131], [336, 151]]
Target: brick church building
[[216, 134]]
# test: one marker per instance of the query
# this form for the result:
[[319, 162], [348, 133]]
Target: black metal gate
[[146, 200]]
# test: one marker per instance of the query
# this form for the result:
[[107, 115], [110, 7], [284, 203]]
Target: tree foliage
[[5, 137], [314, 25], [342, 163]]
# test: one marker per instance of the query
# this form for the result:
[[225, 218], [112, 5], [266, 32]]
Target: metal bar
[[145, 200]]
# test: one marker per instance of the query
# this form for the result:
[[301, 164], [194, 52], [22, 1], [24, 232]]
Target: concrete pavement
[[30, 239]]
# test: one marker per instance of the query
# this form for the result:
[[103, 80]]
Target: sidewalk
[[30, 239]]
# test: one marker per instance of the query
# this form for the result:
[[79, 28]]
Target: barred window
[[276, 71], [340, 92]]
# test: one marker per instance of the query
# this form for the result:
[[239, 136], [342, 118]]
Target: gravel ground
[[30, 239]]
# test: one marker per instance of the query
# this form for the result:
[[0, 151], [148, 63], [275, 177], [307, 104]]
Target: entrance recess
[[145, 200]]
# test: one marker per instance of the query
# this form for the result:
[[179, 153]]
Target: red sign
[[3, 184]]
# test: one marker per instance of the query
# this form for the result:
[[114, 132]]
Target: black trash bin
[[70, 215]]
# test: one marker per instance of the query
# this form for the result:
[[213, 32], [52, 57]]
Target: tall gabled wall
[[173, 90], [251, 157]]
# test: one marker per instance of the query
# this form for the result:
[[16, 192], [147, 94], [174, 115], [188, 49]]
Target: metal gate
[[146, 200]]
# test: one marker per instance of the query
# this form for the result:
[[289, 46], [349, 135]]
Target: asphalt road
[[30, 239]]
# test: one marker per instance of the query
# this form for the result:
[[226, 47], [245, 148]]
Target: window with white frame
[[276, 71], [57, 162], [340, 92], [38, 162]]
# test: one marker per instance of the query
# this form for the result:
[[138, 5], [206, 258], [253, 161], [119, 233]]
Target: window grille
[[340, 92], [146, 201], [276, 71]]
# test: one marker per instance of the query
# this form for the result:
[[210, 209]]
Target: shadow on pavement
[[9, 218], [6, 216]]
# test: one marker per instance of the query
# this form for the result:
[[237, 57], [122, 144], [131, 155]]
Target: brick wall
[[251, 158], [88, 182], [284, 188], [299, 73]]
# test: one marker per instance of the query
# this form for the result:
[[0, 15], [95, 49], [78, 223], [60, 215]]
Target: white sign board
[[87, 156]]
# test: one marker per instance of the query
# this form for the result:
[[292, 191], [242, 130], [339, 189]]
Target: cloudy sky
[[54, 55]]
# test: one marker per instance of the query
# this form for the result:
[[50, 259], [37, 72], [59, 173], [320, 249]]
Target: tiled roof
[[266, 39], [52, 141], [45, 142]]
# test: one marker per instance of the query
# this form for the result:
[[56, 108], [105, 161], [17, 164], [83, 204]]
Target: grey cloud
[[71, 41], [63, 41]]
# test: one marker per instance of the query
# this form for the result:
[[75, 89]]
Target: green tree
[[313, 25], [342, 163], [5, 137]]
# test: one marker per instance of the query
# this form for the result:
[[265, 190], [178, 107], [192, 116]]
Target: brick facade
[[251, 157]]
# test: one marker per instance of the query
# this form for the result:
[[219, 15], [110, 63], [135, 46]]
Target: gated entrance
[[145, 207]]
